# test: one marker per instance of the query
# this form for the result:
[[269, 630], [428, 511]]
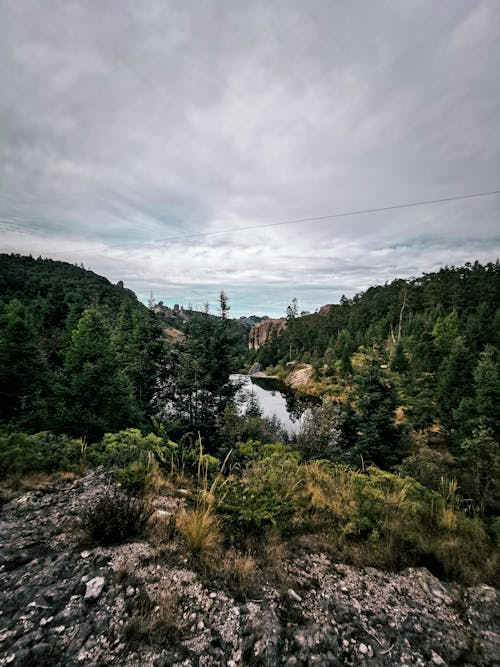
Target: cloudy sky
[[133, 135]]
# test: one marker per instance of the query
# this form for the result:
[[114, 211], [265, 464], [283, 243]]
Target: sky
[[138, 138]]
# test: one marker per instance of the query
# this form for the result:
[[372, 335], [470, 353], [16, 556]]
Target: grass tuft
[[115, 517], [200, 529]]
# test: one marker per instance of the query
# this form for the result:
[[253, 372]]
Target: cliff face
[[263, 331]]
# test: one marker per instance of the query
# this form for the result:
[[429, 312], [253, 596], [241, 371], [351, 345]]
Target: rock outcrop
[[64, 606], [263, 331]]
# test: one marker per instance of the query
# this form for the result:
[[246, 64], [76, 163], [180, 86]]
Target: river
[[275, 399]]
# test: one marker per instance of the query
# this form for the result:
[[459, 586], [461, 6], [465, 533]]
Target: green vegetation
[[77, 354], [398, 465]]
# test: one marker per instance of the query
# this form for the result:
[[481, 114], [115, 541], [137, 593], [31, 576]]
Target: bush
[[241, 428], [461, 552], [320, 434], [125, 447], [328, 494], [21, 453], [264, 495], [133, 478], [115, 517], [395, 513]]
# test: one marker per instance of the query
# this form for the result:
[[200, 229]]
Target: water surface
[[276, 399]]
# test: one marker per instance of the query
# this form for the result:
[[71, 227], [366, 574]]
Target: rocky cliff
[[263, 331], [142, 603]]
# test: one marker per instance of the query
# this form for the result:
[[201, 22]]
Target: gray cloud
[[123, 123]]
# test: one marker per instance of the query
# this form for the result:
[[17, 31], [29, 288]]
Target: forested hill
[[435, 335], [58, 321], [373, 317], [41, 284], [82, 356]]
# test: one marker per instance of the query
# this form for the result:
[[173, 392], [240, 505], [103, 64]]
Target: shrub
[[426, 465], [461, 550], [125, 447], [21, 453], [264, 495], [240, 428], [392, 515], [133, 478], [328, 494], [320, 434], [115, 517]]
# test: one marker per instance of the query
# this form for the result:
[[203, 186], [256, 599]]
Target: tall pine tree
[[95, 394]]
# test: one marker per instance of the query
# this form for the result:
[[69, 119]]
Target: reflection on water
[[275, 399]]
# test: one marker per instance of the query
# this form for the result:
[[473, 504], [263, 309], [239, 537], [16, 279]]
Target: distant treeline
[[437, 334]]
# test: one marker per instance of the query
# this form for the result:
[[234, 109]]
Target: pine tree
[[483, 404], [378, 439], [137, 339], [95, 394], [196, 388], [23, 375], [453, 381], [399, 362]]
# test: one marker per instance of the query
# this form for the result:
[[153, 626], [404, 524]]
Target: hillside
[[45, 283], [144, 602], [55, 319], [431, 333]]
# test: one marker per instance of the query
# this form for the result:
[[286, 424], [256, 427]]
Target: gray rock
[[293, 595], [94, 589], [343, 615]]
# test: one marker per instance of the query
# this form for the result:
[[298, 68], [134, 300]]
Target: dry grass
[[329, 493], [449, 504], [273, 557], [39, 481], [156, 482], [161, 529], [154, 621], [200, 529], [125, 570], [239, 573]]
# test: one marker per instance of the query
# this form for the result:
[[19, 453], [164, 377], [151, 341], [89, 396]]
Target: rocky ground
[[141, 604]]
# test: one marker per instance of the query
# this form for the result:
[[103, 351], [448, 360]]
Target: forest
[[398, 464]]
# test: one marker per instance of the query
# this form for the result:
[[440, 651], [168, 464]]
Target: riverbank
[[299, 377]]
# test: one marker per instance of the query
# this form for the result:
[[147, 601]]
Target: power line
[[341, 214]]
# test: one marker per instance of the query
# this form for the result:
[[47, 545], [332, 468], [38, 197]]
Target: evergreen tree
[[95, 394], [253, 407], [481, 459], [137, 339], [453, 381], [196, 388], [445, 332], [483, 405], [378, 439], [23, 375], [399, 361]]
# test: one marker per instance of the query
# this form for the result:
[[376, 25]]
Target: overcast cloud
[[126, 127]]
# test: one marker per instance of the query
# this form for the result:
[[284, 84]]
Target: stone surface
[[263, 331], [94, 589], [321, 612]]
